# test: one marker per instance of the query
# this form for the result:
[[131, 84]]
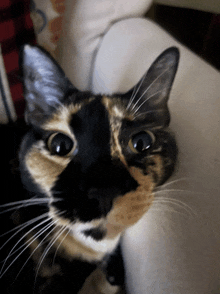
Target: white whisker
[[22, 226], [164, 208], [24, 205], [134, 93], [172, 190], [148, 98], [34, 237], [146, 112], [175, 181], [32, 229], [38, 246], [26, 247], [165, 191], [47, 249], [149, 87], [26, 201], [132, 98], [61, 244], [178, 203]]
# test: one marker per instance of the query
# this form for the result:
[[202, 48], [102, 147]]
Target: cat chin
[[92, 236], [105, 245]]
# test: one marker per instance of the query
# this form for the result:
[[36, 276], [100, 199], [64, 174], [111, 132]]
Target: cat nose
[[107, 181], [111, 176], [104, 203]]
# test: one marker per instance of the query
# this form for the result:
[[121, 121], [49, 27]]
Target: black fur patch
[[97, 233], [69, 280], [113, 267], [92, 180]]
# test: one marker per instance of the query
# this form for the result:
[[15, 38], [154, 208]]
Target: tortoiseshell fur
[[86, 170]]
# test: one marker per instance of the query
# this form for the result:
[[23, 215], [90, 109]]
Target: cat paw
[[96, 283]]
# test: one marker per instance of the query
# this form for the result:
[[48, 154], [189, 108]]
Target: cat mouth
[[94, 229], [94, 237], [97, 233]]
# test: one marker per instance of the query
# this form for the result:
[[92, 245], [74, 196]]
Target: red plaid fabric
[[16, 29]]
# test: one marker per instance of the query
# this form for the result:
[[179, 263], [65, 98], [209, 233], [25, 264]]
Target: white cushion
[[175, 247], [85, 23]]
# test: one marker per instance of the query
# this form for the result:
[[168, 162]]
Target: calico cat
[[87, 169]]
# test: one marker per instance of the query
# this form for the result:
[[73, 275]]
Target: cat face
[[97, 158]]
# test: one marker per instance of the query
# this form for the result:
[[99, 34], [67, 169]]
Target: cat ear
[[149, 97], [45, 84]]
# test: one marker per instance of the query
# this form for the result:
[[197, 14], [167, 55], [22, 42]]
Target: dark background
[[198, 30]]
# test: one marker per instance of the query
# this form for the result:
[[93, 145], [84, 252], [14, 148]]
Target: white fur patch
[[105, 245]]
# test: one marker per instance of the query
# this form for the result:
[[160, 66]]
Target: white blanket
[[106, 47], [175, 247]]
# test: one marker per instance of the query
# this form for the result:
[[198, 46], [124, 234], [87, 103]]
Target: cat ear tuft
[[150, 96], [45, 84]]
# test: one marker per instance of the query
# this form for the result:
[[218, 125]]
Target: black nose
[[89, 194], [106, 181], [104, 203]]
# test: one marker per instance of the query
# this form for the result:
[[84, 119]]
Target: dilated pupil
[[61, 145], [139, 146], [142, 141]]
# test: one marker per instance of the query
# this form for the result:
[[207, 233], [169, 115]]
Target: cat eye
[[60, 144], [141, 142]]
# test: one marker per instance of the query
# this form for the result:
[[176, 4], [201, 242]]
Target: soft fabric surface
[[106, 47], [175, 247]]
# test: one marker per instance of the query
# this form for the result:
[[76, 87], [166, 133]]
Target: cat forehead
[[61, 119], [94, 124]]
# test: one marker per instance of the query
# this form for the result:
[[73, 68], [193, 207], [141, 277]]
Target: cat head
[[95, 153]]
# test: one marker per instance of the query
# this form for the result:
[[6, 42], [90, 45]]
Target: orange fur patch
[[44, 168], [158, 168], [129, 209], [126, 210]]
